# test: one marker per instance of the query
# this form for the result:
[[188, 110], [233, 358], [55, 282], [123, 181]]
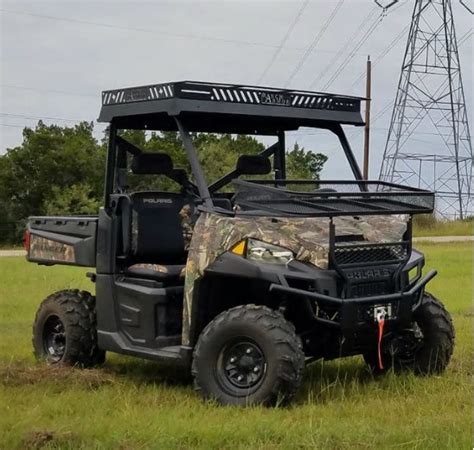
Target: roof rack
[[262, 108]]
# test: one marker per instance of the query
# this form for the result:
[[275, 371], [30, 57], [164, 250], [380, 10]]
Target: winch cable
[[381, 323]]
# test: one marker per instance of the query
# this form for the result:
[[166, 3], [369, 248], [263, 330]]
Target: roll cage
[[189, 106]]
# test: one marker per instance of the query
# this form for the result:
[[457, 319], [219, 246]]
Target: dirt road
[[440, 239]]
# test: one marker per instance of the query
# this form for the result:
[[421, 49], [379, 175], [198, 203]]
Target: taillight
[[26, 241]]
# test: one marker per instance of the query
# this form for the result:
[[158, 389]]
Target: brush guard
[[369, 269]]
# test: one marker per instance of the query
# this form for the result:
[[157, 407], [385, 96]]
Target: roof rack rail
[[232, 93], [263, 104]]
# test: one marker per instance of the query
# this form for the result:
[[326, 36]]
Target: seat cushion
[[158, 272]]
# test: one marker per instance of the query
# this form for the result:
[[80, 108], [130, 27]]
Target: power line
[[47, 91], [140, 30], [357, 47], [12, 126], [431, 92], [43, 117], [384, 53], [389, 105], [395, 42], [351, 55], [466, 36], [315, 42], [344, 47], [470, 9], [283, 41]]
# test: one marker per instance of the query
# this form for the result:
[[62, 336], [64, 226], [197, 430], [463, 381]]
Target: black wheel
[[248, 355], [65, 331], [425, 348]]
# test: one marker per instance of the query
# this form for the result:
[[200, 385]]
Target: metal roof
[[226, 108]]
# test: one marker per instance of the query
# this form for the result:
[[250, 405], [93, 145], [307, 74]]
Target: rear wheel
[[65, 331], [425, 348], [248, 355]]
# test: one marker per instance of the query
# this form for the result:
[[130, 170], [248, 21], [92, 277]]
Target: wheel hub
[[405, 345], [54, 338], [243, 364]]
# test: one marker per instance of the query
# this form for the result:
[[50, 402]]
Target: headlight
[[263, 252]]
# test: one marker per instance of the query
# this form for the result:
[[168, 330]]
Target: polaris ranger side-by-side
[[241, 281]]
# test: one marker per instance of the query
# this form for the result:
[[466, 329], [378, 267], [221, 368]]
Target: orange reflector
[[26, 240], [239, 249]]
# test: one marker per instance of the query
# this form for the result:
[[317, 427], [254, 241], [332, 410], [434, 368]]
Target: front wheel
[[65, 332], [248, 355], [424, 348]]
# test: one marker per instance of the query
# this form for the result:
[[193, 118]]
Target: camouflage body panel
[[49, 250], [187, 224], [307, 238], [156, 268]]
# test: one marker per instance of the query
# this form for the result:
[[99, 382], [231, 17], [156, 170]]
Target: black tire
[[64, 331], [435, 346], [258, 339]]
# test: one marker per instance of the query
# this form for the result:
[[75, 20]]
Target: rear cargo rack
[[330, 198]]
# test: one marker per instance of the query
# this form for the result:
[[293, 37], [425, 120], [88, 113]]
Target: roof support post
[[339, 132], [195, 165], [110, 164], [280, 158]]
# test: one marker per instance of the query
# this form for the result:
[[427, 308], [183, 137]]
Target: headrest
[[152, 164], [180, 176], [253, 165]]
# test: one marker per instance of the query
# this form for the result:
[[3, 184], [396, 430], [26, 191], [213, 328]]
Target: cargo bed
[[62, 240]]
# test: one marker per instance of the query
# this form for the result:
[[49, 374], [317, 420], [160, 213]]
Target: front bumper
[[353, 313]]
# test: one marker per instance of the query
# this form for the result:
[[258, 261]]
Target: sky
[[57, 56]]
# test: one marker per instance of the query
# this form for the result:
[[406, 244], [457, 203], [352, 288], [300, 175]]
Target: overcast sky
[[57, 56]]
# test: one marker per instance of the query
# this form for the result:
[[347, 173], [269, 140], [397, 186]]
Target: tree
[[77, 199], [305, 165], [51, 158], [60, 170]]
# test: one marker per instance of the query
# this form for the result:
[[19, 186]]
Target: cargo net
[[327, 199]]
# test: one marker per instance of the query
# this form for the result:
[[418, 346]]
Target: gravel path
[[440, 239], [444, 239], [12, 253]]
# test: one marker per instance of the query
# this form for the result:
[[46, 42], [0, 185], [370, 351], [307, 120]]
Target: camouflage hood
[[307, 238]]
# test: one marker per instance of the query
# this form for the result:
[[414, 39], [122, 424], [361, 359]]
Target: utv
[[242, 281]]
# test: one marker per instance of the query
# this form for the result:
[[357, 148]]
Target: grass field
[[135, 404], [427, 226]]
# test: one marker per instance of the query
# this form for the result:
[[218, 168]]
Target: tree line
[[59, 170]]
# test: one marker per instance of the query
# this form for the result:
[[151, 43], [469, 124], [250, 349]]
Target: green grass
[[135, 404], [427, 226]]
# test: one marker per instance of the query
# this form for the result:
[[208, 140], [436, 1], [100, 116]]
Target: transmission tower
[[430, 101]]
